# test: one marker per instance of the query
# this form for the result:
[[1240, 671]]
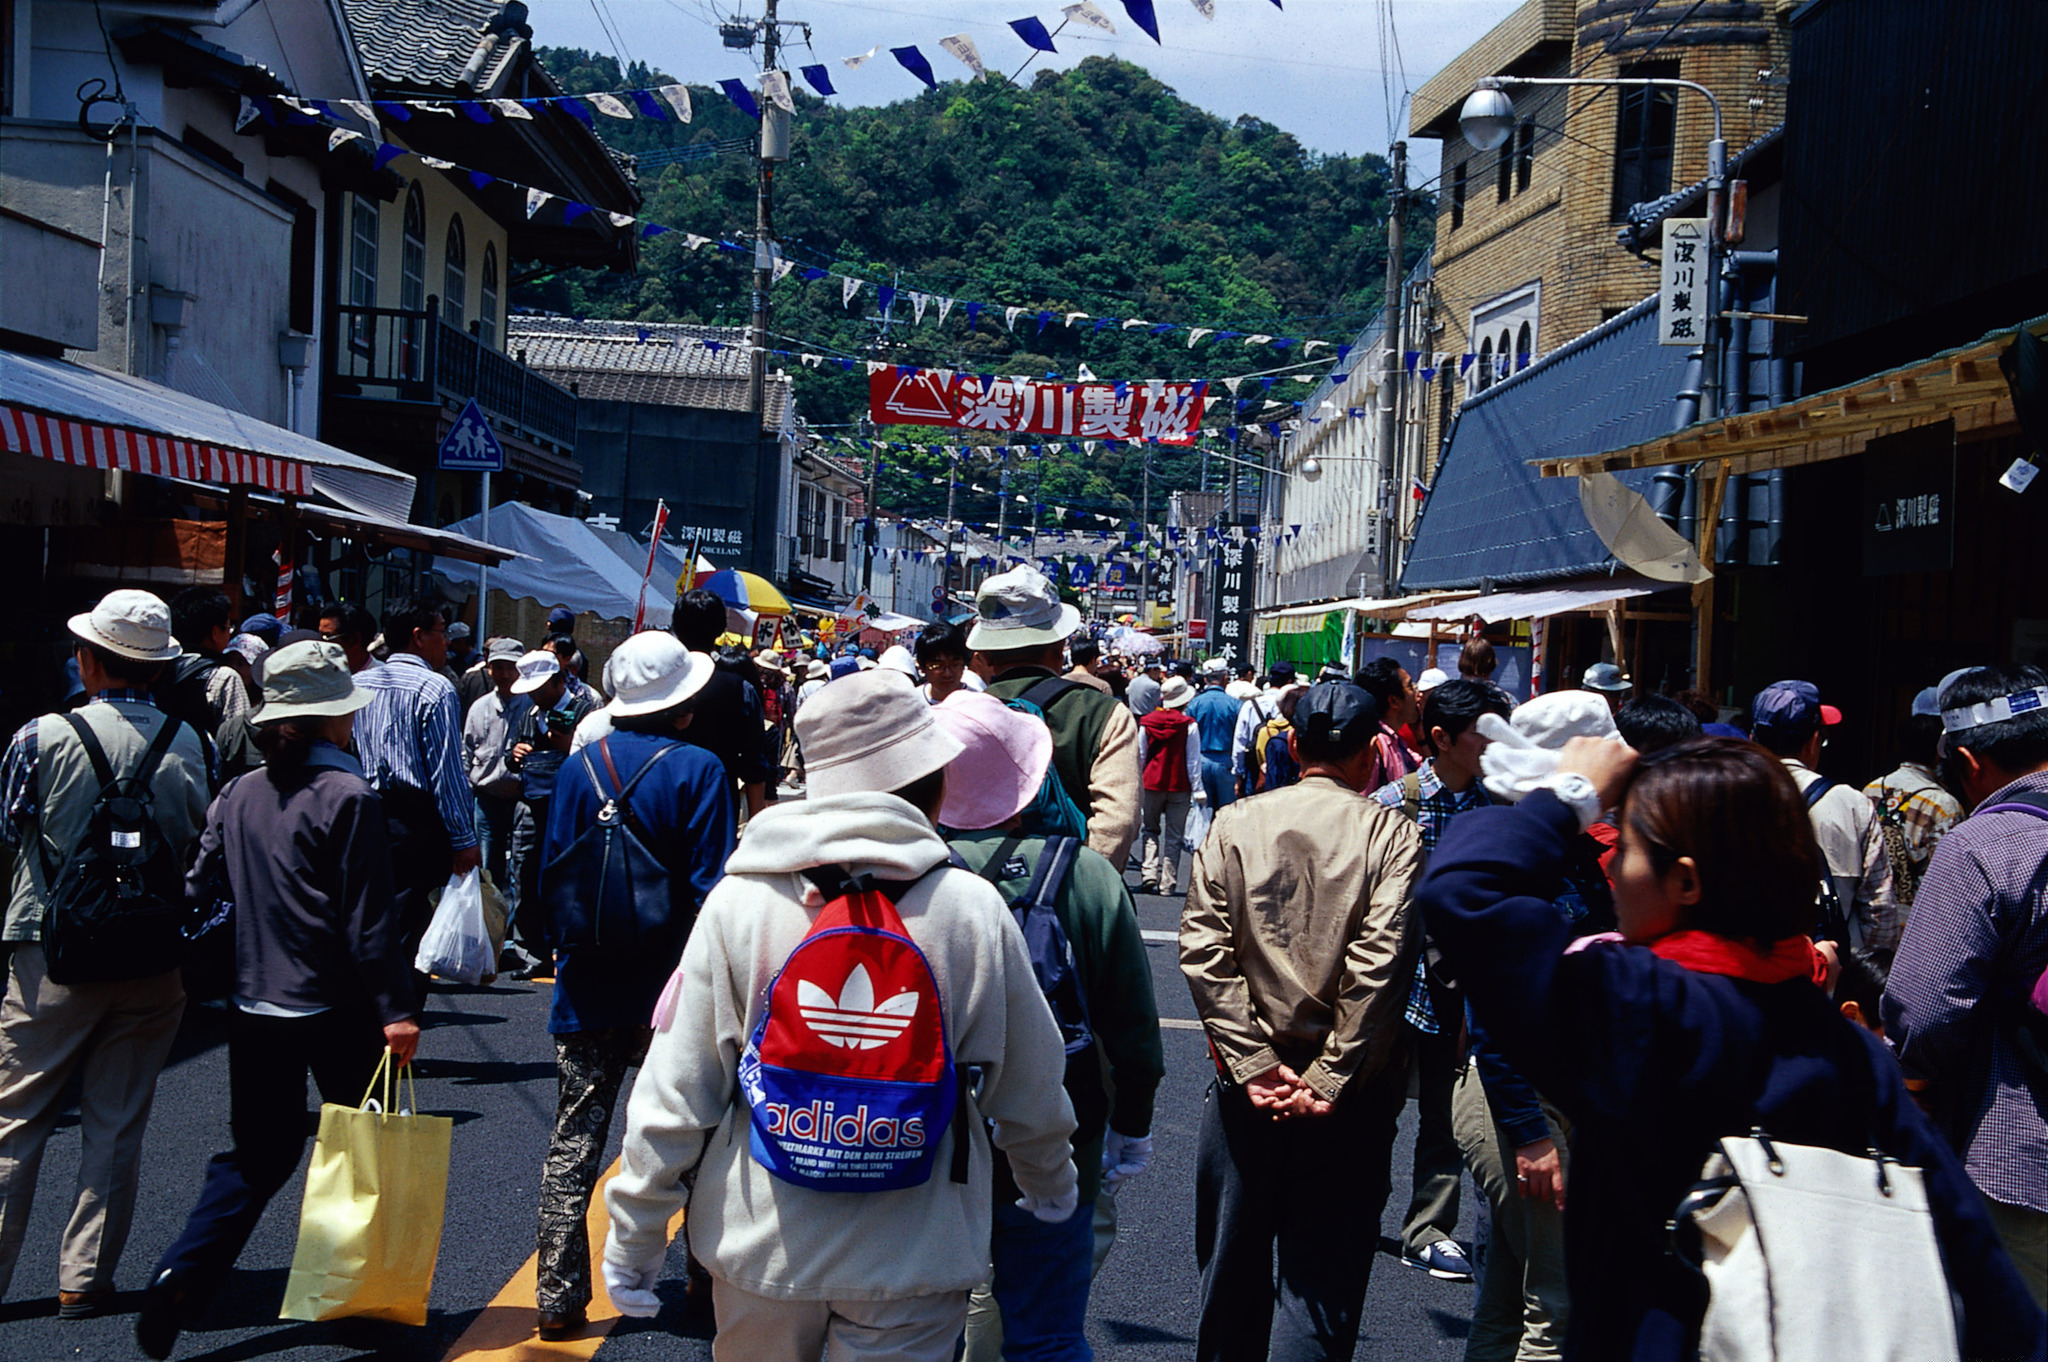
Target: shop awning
[[70, 413], [1964, 385], [1541, 603], [1399, 607], [350, 525]]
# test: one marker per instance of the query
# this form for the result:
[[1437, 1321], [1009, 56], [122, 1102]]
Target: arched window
[[1506, 359], [1486, 364], [1525, 346], [455, 277], [412, 283], [362, 270], [487, 298]]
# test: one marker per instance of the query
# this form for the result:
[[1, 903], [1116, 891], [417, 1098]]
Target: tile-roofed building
[[663, 363], [424, 45], [664, 411]]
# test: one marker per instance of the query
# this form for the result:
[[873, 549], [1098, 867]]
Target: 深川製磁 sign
[[1909, 501], [1683, 290], [1168, 412]]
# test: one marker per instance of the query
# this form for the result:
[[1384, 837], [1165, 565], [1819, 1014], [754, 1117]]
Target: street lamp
[[1488, 120], [1311, 468]]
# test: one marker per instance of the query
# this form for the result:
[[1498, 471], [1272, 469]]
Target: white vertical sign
[[1682, 283]]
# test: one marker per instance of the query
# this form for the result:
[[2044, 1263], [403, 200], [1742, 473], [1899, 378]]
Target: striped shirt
[[411, 734]]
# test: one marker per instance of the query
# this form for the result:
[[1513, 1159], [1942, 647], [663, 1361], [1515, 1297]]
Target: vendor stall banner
[[1166, 412]]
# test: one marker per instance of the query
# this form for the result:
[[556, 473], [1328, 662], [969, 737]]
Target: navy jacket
[[1653, 1063], [686, 806]]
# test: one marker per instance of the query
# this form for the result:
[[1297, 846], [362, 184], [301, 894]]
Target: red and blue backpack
[[849, 1074]]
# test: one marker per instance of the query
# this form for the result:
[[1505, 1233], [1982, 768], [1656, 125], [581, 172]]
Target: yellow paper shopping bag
[[371, 1226]]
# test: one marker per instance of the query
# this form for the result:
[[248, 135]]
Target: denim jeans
[[1041, 1283], [494, 831], [1217, 781]]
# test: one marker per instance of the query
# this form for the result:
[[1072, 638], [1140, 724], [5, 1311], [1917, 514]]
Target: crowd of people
[[1603, 941]]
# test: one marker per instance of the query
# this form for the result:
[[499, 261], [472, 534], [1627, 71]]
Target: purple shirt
[[1979, 930]]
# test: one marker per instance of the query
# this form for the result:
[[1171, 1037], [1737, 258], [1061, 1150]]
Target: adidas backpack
[[849, 1075]]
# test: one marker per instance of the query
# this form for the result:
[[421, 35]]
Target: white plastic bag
[[1197, 827], [458, 943]]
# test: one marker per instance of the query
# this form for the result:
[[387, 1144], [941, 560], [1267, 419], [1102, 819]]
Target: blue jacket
[[686, 805], [1653, 1063], [1215, 715]]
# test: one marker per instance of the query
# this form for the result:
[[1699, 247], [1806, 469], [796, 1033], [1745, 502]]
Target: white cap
[[1430, 680], [897, 658], [534, 670], [133, 624], [652, 671]]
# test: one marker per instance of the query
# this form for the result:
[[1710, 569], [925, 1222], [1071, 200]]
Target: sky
[[1315, 69]]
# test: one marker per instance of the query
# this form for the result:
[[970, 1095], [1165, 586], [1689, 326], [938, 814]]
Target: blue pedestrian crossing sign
[[471, 446]]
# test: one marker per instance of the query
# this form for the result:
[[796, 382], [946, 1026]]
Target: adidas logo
[[853, 1021]]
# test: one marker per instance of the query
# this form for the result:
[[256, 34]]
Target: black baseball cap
[[1332, 708]]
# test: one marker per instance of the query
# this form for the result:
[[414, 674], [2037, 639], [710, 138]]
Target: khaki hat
[[870, 733], [653, 671], [1020, 609], [1175, 693], [769, 660], [535, 669], [821, 670], [308, 680], [130, 623]]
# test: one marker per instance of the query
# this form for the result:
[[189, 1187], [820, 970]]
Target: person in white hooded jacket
[[796, 1271]]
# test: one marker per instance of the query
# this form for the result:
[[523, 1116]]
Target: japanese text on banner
[[1166, 412]]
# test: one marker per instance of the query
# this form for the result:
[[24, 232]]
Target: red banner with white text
[[1167, 412]]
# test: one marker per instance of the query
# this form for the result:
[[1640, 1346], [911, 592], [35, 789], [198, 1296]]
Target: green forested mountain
[[1095, 190]]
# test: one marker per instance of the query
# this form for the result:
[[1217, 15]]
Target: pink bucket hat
[[1003, 764]]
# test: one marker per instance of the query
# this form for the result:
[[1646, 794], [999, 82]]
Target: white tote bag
[[1816, 1254]]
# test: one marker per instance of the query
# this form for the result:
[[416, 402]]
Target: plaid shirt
[[19, 790], [1978, 933], [1914, 799], [1435, 808]]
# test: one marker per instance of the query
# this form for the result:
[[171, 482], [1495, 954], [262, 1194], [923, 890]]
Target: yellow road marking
[[504, 1332]]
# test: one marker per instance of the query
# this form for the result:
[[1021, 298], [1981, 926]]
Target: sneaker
[[1443, 1260], [1148, 887]]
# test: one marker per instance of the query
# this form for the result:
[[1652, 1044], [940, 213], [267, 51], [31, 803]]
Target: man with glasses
[[1788, 720], [354, 629], [409, 739]]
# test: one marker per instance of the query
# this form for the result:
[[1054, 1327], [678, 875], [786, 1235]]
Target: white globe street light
[[1311, 469], [1488, 118]]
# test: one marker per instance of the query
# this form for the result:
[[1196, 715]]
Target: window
[[1643, 140], [305, 257], [1486, 364], [1525, 153], [1525, 345], [455, 277], [362, 269], [838, 530], [412, 285], [1458, 195], [487, 299], [1504, 171]]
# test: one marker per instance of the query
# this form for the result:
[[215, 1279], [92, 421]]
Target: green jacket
[[1109, 953]]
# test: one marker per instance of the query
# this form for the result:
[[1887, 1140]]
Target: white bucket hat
[[1020, 609], [133, 624], [308, 680], [1175, 693], [870, 732], [652, 671], [897, 658], [534, 670]]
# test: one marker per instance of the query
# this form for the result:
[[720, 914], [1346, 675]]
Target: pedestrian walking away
[[797, 1271], [321, 981], [108, 1017], [1172, 781], [1299, 948]]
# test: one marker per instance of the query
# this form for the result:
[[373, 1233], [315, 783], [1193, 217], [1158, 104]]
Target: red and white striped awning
[[86, 445], [89, 418]]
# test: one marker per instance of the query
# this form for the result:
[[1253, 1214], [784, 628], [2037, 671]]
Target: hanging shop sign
[[1909, 501], [1161, 411]]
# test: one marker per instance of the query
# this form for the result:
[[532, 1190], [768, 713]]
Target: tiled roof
[[642, 362], [427, 44]]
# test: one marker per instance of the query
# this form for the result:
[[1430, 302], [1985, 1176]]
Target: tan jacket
[[1113, 789], [1298, 940]]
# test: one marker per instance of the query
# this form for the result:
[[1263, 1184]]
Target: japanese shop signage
[[1168, 412], [1909, 501], [1683, 289], [1236, 568]]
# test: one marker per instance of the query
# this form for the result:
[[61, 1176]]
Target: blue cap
[[844, 666], [1281, 673], [561, 614], [1791, 706], [265, 626], [1722, 731]]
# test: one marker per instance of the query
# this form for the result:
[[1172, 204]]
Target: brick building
[[1525, 256]]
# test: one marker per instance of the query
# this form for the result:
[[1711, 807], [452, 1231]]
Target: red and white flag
[[653, 543], [282, 608]]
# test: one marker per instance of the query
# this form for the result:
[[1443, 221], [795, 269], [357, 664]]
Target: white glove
[[1124, 1156], [1052, 1210], [630, 1284]]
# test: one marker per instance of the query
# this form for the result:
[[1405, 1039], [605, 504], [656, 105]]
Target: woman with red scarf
[[1700, 1019]]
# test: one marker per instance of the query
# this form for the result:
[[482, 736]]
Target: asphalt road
[[486, 1061]]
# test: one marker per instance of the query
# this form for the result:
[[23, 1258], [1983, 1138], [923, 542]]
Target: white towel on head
[[1522, 753]]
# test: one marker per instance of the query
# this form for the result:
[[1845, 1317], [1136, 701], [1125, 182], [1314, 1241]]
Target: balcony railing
[[419, 357]]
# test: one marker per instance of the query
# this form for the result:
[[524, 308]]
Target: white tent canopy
[[1540, 603], [574, 565]]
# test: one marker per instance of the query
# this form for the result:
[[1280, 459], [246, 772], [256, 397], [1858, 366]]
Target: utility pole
[[1390, 335], [873, 534], [952, 485], [1145, 546], [774, 147]]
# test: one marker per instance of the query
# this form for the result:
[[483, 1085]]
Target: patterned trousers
[[589, 1068]]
